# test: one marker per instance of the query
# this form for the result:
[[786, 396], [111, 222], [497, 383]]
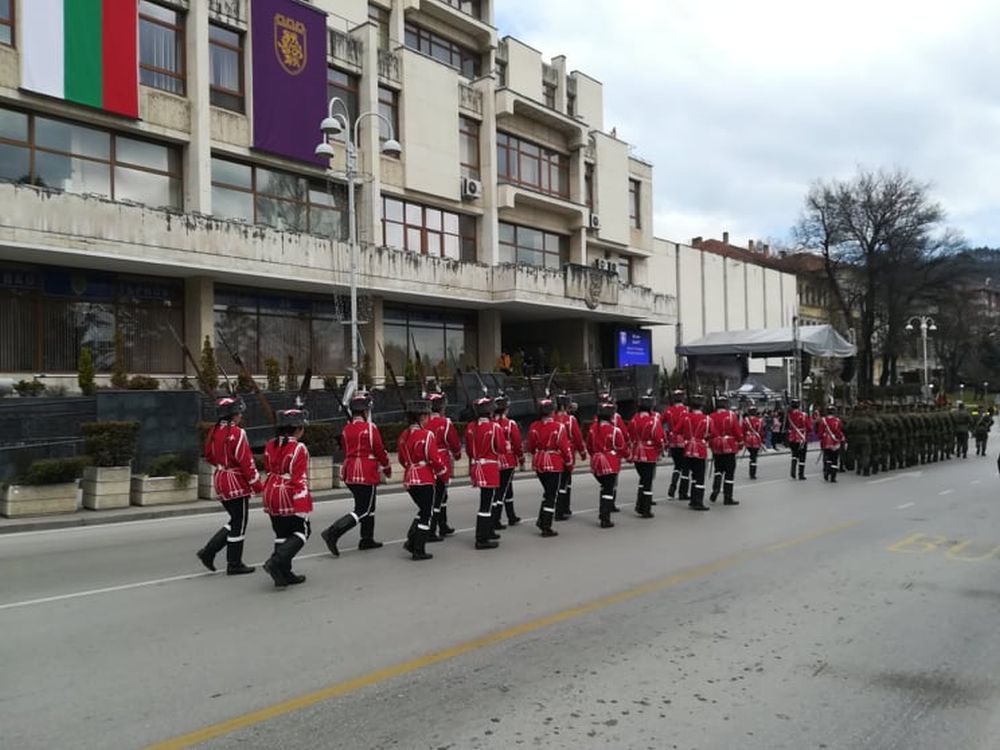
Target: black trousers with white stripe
[[696, 473], [725, 470], [644, 496], [364, 507], [239, 512], [423, 496], [550, 488]]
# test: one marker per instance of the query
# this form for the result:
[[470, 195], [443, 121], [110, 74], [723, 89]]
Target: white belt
[[485, 461]]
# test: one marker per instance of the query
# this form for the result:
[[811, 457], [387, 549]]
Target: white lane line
[[904, 506], [976, 481], [884, 480], [945, 492]]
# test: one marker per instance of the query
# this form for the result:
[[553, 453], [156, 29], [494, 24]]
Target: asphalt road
[[860, 615]]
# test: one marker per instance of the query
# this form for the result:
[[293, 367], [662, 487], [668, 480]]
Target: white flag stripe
[[44, 47]]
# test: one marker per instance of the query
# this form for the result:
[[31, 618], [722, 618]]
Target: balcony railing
[[470, 98], [345, 48], [388, 66]]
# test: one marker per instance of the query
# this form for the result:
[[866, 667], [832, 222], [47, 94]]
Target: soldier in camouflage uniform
[[861, 440], [962, 422], [847, 456], [981, 429]]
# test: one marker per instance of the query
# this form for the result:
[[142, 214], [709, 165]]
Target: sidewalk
[[85, 517]]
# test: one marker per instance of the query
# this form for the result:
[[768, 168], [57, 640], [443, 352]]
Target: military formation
[[703, 444]]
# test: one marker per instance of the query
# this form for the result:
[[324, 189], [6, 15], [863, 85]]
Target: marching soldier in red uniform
[[235, 478], [485, 444], [831, 440], [564, 415], [607, 444], [647, 438], [420, 457], [551, 451], [450, 447], [673, 418], [364, 456], [753, 437], [619, 422], [799, 425], [726, 441], [287, 499], [695, 432], [513, 458]]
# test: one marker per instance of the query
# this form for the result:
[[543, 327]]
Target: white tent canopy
[[819, 341]]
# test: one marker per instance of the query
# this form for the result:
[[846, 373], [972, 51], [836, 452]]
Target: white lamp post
[[333, 125], [926, 323]]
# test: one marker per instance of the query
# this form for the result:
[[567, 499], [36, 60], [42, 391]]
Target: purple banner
[[289, 78]]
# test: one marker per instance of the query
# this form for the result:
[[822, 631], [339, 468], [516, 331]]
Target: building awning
[[819, 341]]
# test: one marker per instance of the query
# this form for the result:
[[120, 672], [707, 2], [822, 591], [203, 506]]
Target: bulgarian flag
[[83, 51]]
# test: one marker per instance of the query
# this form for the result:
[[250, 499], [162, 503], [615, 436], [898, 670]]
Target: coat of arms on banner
[[290, 43]]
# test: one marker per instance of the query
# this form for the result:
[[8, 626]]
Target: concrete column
[[198, 157], [369, 193], [490, 339], [373, 339], [488, 238], [199, 315], [578, 246]]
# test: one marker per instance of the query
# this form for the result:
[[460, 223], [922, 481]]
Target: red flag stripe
[[120, 57]]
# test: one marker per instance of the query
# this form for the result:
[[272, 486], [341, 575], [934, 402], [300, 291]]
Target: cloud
[[741, 105]]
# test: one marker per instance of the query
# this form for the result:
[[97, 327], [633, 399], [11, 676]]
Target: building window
[[7, 22], [571, 105], [258, 326], [468, 61], [278, 199], [344, 86], [473, 8], [379, 17], [634, 204], [428, 231], [388, 107], [468, 130], [588, 185], [529, 165], [225, 51], [60, 155], [48, 315], [532, 247], [161, 47], [443, 340], [501, 72], [549, 95]]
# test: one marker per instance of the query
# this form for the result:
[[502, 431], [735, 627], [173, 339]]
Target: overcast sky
[[741, 105]]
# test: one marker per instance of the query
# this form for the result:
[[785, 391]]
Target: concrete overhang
[[513, 196], [456, 19], [510, 103]]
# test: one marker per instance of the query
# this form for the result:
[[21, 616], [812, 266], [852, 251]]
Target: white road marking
[[976, 481], [945, 492], [883, 480], [904, 506]]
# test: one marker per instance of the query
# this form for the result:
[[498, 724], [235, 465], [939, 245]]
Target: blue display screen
[[635, 348]]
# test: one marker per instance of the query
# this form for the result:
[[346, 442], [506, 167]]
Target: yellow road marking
[[397, 670]]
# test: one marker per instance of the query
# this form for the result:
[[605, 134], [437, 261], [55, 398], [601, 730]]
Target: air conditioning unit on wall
[[471, 189], [595, 221]]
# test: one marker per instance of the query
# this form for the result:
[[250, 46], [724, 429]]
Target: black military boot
[[716, 486], [795, 466], [643, 504], [674, 479], [340, 527], [512, 518], [234, 560], [408, 544], [802, 472], [418, 549], [727, 495], [279, 565], [497, 511], [207, 553], [605, 509], [368, 534], [484, 527], [443, 528]]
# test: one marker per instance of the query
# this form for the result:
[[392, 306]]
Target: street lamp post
[[333, 125], [926, 323]]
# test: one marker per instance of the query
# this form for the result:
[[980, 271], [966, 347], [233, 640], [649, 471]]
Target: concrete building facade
[[510, 220]]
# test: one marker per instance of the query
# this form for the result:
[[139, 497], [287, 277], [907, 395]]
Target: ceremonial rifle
[[531, 387], [264, 404], [482, 385], [188, 354], [392, 377]]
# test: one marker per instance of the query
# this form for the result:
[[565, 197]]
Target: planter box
[[106, 487], [162, 491], [461, 468], [36, 500], [206, 488], [322, 474]]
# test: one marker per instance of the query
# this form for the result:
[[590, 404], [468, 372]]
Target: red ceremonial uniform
[[646, 436], [726, 433], [449, 444], [286, 492], [228, 450], [364, 453], [695, 431], [515, 449], [485, 444], [576, 440], [831, 432], [420, 457], [607, 444], [753, 431], [549, 446], [799, 425], [673, 418]]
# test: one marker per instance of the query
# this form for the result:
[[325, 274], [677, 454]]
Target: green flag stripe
[[83, 37]]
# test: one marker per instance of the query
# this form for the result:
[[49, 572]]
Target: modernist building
[[184, 194]]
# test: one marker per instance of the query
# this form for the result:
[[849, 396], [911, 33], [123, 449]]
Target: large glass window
[[344, 86], [468, 131], [7, 22], [473, 8], [532, 247], [48, 315], [427, 230], [635, 204], [443, 340], [468, 61], [282, 200], [65, 156], [388, 107], [225, 51], [529, 165], [161, 47], [379, 16], [310, 329]]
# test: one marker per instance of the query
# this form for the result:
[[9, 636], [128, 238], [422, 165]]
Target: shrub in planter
[[54, 471], [171, 465], [48, 486], [321, 439], [390, 434], [168, 481], [85, 373], [110, 443], [143, 383], [209, 379], [29, 387], [273, 372]]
